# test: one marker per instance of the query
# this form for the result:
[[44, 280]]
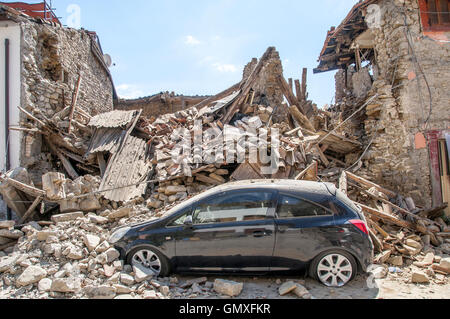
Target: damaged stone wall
[[268, 86], [52, 60], [400, 110]]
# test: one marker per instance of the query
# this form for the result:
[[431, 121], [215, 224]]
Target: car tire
[[151, 259], [333, 268]]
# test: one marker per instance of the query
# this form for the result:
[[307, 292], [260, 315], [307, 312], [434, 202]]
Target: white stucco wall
[[10, 30]]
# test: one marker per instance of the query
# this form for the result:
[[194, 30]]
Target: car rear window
[[293, 207]]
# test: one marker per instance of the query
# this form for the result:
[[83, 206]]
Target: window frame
[[296, 196], [269, 214], [425, 18], [178, 215]]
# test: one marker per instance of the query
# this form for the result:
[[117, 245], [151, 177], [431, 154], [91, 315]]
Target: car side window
[[292, 207], [234, 207], [180, 220]]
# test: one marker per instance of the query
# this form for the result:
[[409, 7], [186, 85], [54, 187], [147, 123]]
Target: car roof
[[304, 187]]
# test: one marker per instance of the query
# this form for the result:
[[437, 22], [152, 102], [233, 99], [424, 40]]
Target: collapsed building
[[393, 60], [53, 73]]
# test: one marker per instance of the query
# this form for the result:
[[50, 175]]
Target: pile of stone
[[72, 259], [113, 158], [413, 241]]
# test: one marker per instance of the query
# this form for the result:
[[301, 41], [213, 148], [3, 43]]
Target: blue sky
[[201, 46]]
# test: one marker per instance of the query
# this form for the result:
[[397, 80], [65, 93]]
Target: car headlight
[[118, 235]]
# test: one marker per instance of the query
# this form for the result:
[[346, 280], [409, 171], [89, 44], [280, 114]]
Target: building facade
[[41, 66], [393, 57]]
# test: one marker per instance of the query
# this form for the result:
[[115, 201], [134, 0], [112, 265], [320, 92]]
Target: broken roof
[[113, 119], [336, 52]]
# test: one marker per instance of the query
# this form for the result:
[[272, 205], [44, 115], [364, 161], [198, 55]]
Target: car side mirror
[[188, 221]]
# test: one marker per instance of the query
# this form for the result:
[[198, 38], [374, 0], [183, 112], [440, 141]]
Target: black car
[[253, 227]]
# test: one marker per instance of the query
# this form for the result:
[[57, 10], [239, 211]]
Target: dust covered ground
[[394, 286]]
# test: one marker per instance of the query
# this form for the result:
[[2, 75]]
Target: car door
[[232, 231], [301, 229]]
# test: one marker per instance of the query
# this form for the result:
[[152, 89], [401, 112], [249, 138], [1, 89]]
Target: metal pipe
[[7, 155]]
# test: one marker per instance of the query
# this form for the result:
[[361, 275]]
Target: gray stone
[[419, 277], [100, 292], [124, 297], [228, 288], [66, 217], [7, 224], [45, 285], [7, 262], [91, 242], [150, 294], [43, 235], [302, 292], [287, 287], [120, 289], [396, 261], [108, 256], [31, 275], [64, 285], [98, 219], [75, 253], [126, 279], [141, 273], [104, 246], [120, 213], [445, 264], [11, 234]]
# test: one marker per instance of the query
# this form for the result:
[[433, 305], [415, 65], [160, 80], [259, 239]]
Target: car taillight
[[361, 225]]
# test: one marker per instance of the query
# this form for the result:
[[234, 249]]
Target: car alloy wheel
[[334, 270], [148, 259]]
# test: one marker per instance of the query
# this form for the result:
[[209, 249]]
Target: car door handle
[[259, 234]]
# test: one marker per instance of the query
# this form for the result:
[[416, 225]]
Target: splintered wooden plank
[[246, 171], [27, 189], [343, 187], [208, 180], [339, 144], [298, 91], [31, 211], [370, 184]]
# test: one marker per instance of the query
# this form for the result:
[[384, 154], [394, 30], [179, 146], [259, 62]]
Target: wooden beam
[[391, 219], [298, 91], [27, 189], [66, 163], [343, 187], [74, 102], [304, 84], [300, 118], [31, 211], [311, 167], [322, 156], [369, 184], [287, 92]]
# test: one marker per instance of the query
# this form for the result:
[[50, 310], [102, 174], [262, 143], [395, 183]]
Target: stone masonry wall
[[52, 59], [402, 106]]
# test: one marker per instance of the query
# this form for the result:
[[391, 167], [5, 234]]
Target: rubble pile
[[121, 167]]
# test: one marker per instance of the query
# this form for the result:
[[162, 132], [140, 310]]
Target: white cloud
[[225, 68], [190, 40], [129, 91]]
